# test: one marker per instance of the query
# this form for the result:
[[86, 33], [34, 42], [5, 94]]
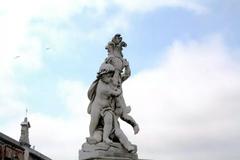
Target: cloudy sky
[[185, 83]]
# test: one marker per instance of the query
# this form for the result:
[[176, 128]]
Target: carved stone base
[[104, 151]]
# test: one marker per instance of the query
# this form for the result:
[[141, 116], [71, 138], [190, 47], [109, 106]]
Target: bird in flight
[[16, 57]]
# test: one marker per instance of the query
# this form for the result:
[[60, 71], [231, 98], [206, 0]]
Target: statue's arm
[[115, 91], [116, 62], [127, 72]]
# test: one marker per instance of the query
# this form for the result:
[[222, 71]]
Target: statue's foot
[[91, 140], [111, 143], [136, 129], [108, 141], [131, 149]]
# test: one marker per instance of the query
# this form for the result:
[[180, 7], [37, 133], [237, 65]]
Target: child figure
[[103, 105], [104, 93]]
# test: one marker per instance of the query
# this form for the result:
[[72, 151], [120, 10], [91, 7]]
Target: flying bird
[[16, 57]]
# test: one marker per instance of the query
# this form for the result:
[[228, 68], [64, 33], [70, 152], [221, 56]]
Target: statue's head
[[117, 39], [115, 46], [106, 72], [110, 47]]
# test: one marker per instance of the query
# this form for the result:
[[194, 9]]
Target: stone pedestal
[[102, 151]]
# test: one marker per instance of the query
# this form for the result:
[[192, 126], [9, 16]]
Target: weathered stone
[[107, 105], [24, 138], [105, 151]]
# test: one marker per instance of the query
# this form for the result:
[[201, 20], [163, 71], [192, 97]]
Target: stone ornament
[[24, 138]]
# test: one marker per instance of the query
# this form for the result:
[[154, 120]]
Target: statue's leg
[[95, 115], [98, 136], [124, 140], [120, 103], [127, 118], [108, 126]]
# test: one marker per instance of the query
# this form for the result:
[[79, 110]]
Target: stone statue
[[24, 138], [107, 105], [122, 72]]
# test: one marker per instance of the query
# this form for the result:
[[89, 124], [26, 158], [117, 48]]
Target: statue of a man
[[122, 72], [24, 138]]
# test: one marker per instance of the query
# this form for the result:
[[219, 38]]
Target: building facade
[[11, 149]]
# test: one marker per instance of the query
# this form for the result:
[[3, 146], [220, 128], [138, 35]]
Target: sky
[[185, 84]]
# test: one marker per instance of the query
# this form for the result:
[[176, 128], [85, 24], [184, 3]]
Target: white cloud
[[58, 138], [111, 25], [21, 51], [150, 5], [50, 9], [189, 105], [74, 94]]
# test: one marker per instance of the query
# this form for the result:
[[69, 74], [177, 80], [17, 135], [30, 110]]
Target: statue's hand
[[123, 44], [125, 63], [136, 129]]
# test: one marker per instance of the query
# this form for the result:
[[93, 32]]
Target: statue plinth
[[104, 151]]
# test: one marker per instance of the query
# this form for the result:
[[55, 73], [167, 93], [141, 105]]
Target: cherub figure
[[102, 93]]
